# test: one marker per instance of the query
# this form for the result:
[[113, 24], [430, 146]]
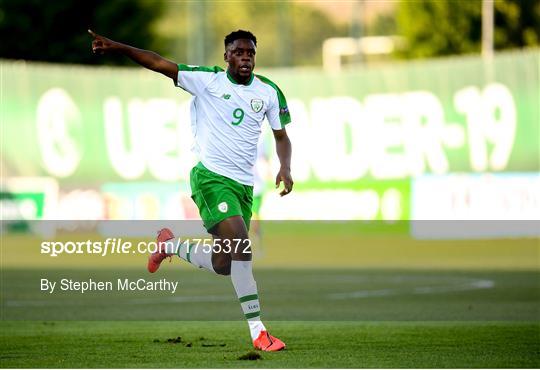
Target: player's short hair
[[240, 34]]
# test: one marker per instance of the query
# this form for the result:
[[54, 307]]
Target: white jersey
[[226, 118]]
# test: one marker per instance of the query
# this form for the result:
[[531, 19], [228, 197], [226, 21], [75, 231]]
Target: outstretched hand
[[285, 176], [100, 44]]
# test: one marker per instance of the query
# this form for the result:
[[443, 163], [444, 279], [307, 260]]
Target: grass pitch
[[310, 344], [383, 318], [337, 302]]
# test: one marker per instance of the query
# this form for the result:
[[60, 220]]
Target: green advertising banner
[[375, 127], [94, 124]]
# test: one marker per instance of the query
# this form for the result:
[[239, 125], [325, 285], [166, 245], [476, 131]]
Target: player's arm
[[284, 152], [146, 58]]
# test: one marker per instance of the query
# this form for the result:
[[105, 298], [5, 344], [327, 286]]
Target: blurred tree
[[55, 31], [517, 23], [382, 25], [310, 28], [288, 33], [443, 27]]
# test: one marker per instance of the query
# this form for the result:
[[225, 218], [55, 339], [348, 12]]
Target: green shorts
[[219, 197]]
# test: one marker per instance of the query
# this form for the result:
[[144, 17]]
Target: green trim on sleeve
[[188, 68], [284, 115]]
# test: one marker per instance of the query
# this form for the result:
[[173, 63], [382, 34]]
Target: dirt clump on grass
[[250, 356]]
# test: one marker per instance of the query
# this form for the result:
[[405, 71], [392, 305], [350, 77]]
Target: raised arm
[[284, 152], [146, 58]]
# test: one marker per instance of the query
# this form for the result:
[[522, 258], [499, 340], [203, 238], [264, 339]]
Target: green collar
[[236, 83]]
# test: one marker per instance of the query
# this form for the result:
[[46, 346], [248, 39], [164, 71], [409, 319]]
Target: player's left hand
[[285, 176]]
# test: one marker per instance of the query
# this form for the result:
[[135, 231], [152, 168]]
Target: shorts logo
[[257, 105], [223, 207]]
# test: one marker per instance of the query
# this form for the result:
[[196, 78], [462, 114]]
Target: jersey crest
[[257, 105]]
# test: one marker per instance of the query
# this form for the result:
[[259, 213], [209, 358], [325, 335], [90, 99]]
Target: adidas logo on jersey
[[226, 96]]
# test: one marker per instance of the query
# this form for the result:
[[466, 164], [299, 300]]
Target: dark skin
[[240, 58]]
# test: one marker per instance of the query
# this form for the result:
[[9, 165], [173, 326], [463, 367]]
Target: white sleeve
[[272, 113], [195, 79], [278, 112]]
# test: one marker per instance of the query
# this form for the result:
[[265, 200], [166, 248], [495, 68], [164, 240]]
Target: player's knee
[[221, 264], [222, 267]]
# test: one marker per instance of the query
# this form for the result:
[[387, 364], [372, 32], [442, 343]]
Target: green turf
[[310, 344], [398, 318], [376, 303], [331, 295]]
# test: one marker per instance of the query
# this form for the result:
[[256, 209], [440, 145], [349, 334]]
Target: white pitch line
[[183, 299], [137, 301], [471, 285]]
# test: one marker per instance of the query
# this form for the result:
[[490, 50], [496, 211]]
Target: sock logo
[[223, 207]]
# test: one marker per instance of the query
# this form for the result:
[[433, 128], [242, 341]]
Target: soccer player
[[228, 109]]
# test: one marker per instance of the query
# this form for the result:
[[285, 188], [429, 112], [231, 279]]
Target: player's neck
[[239, 80]]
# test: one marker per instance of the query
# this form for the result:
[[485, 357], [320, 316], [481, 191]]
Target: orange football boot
[[268, 343], [155, 259]]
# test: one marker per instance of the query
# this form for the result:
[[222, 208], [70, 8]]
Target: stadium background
[[439, 128]]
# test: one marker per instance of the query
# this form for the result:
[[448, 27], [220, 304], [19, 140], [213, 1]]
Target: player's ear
[[225, 56]]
